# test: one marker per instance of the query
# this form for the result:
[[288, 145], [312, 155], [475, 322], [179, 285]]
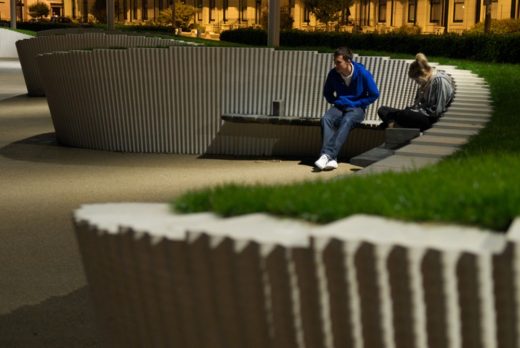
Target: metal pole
[[487, 19], [110, 15], [13, 14], [273, 24]]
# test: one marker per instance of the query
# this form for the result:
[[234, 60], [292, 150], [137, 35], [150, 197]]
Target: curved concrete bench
[[171, 100], [162, 279], [28, 49]]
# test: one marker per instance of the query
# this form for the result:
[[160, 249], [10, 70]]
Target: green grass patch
[[477, 186], [474, 192], [24, 31]]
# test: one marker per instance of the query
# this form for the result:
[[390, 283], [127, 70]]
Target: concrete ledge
[[284, 120], [261, 281]]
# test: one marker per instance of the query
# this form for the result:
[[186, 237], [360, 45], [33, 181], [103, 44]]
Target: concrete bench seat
[[285, 120], [269, 119]]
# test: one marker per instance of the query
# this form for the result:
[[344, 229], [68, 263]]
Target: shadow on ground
[[66, 322], [44, 148]]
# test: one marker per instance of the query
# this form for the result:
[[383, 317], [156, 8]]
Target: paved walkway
[[43, 296]]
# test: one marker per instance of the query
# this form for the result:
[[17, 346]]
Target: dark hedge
[[39, 26], [482, 47]]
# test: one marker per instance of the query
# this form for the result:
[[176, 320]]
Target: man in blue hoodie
[[351, 88]]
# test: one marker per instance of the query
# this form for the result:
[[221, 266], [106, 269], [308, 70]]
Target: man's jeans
[[335, 127]]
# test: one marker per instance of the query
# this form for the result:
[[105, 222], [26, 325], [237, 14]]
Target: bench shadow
[[44, 148], [66, 321]]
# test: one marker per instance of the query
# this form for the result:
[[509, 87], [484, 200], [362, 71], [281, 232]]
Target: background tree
[[39, 10], [325, 11], [183, 15]]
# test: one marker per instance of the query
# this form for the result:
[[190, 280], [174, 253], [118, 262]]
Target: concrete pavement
[[44, 299]]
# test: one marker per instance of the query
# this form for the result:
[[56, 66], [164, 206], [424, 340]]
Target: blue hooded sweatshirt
[[361, 92]]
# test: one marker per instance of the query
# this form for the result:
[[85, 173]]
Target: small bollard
[[278, 108]]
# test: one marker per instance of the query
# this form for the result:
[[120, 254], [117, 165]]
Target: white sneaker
[[332, 164], [322, 162]]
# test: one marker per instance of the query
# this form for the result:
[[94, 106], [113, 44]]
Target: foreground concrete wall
[[201, 281]]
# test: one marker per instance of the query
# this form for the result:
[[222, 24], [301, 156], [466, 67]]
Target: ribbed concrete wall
[[156, 100], [202, 281], [28, 49]]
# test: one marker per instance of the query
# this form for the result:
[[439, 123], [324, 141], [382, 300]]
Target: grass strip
[[479, 185]]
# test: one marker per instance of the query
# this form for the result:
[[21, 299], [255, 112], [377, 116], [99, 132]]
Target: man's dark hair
[[344, 52]]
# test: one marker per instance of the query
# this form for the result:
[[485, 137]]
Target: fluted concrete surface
[[257, 280]]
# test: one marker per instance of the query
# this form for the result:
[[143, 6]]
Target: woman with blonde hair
[[434, 95]]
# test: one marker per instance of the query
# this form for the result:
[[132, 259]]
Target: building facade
[[59, 8], [432, 16]]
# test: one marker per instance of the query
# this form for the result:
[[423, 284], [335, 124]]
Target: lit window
[[225, 6], [382, 11], [243, 10], [144, 10], [306, 15], [458, 11], [211, 10], [258, 11], [412, 10], [199, 10], [435, 11]]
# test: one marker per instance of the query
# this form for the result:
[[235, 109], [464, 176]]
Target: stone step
[[461, 114], [475, 104], [477, 100], [473, 93], [467, 77], [472, 89], [398, 163], [470, 83], [397, 137], [451, 132], [371, 156], [440, 140], [470, 110], [420, 150], [457, 125], [477, 120]]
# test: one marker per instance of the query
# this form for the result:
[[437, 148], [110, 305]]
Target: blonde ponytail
[[420, 67]]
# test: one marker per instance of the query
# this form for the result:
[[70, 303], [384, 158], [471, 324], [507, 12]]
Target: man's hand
[[343, 103]]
